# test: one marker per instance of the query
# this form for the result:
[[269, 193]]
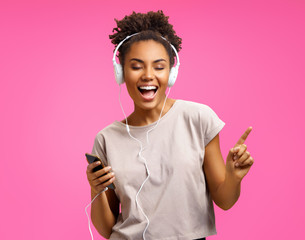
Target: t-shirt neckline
[[119, 123]]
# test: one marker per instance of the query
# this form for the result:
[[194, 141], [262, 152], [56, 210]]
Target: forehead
[[147, 50]]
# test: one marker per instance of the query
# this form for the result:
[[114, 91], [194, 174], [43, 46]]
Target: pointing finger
[[244, 136]]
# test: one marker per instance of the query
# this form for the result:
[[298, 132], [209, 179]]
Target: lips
[[148, 92]]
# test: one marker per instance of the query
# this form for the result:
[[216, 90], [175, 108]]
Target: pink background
[[245, 59]]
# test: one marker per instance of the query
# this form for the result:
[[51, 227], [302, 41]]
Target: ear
[[173, 74], [118, 73]]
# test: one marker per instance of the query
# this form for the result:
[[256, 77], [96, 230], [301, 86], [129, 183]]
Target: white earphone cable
[[119, 79], [140, 153]]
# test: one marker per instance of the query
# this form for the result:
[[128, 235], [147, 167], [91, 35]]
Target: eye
[[159, 67], [134, 67]]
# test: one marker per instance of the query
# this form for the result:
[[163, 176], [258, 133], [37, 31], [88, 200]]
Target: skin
[[148, 62], [224, 179]]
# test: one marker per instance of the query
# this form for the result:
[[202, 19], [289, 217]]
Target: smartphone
[[92, 158]]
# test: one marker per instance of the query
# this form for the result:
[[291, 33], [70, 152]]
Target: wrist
[[232, 178], [95, 192]]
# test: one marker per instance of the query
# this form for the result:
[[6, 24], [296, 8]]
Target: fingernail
[[108, 168], [236, 164], [235, 157], [97, 163]]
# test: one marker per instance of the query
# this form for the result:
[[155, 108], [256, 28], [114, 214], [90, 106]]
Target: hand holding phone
[[99, 176]]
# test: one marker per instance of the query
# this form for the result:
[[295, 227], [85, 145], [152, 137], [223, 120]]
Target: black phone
[[91, 159]]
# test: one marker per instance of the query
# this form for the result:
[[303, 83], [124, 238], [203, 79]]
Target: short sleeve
[[99, 148], [212, 124]]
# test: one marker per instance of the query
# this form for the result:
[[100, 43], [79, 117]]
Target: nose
[[148, 74]]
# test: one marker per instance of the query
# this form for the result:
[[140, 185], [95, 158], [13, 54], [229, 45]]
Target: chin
[[150, 105]]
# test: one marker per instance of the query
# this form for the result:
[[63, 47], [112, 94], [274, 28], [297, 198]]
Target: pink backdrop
[[245, 59]]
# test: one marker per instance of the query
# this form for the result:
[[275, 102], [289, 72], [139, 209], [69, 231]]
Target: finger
[[242, 150], [101, 187], [91, 166], [103, 180], [243, 158], [102, 171], [99, 173], [111, 180], [248, 162], [232, 152], [244, 136]]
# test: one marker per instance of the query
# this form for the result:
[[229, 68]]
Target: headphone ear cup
[[118, 73], [173, 74]]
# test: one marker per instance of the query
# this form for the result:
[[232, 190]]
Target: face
[[146, 72]]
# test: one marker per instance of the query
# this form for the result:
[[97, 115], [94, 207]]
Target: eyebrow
[[141, 61]]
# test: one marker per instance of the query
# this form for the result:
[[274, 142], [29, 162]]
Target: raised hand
[[239, 160]]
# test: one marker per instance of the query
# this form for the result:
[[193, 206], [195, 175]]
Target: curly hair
[[150, 26]]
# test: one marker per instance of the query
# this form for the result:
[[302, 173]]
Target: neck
[[142, 117]]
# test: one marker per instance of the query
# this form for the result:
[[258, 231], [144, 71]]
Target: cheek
[[131, 90], [130, 74], [163, 77], [130, 77]]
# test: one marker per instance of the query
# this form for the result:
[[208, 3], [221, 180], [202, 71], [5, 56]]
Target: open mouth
[[148, 91]]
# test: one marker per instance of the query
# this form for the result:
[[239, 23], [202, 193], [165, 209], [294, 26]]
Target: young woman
[[164, 158]]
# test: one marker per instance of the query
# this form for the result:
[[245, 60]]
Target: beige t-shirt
[[175, 198]]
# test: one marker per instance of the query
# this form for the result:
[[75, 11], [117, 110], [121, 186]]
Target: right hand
[[100, 179]]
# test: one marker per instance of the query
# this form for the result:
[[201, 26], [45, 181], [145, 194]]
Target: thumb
[[232, 152]]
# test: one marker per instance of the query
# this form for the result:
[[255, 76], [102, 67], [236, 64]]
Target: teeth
[[148, 87]]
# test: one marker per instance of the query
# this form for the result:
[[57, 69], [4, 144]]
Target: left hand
[[239, 160]]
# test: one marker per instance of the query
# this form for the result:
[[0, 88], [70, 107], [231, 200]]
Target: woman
[[164, 159]]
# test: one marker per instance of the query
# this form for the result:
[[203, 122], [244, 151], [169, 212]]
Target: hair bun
[[139, 22]]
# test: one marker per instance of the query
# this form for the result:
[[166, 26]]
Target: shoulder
[[195, 108], [107, 130], [192, 105], [199, 114], [111, 131]]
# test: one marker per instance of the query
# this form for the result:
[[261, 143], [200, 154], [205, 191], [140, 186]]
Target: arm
[[224, 180], [105, 208], [104, 212]]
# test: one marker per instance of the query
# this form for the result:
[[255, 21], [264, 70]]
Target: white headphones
[[118, 68]]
